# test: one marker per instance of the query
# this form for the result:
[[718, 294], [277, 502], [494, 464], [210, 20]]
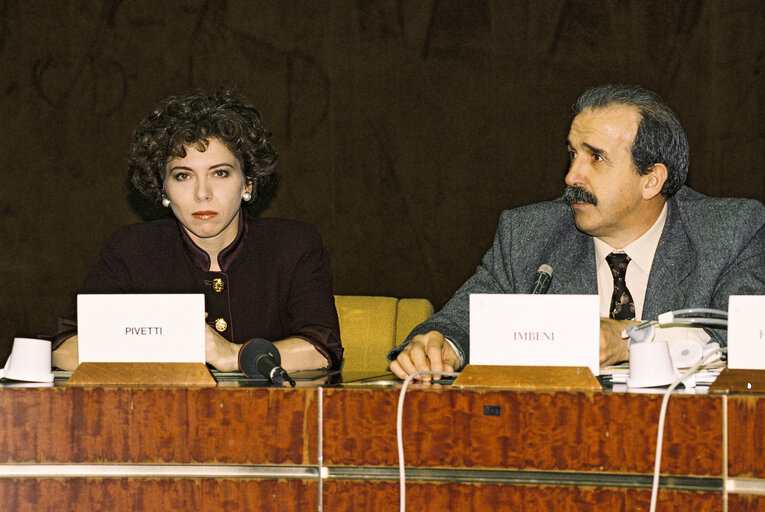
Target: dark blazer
[[274, 282], [710, 248]]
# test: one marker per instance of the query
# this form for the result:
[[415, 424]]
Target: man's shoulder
[[544, 215], [717, 227], [541, 229], [718, 213]]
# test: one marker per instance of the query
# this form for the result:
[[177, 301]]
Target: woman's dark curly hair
[[193, 120]]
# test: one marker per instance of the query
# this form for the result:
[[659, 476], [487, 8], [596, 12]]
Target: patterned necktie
[[622, 305]]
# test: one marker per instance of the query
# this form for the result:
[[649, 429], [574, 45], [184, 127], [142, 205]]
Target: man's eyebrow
[[596, 151]]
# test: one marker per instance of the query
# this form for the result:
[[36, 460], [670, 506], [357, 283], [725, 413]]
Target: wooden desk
[[259, 449], [158, 449]]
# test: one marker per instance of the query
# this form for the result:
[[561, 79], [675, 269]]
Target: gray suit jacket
[[710, 248]]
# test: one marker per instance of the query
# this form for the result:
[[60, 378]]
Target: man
[[626, 228]]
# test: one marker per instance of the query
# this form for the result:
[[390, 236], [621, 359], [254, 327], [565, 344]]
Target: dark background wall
[[404, 127]]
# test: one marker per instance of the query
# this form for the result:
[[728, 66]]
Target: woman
[[203, 157]]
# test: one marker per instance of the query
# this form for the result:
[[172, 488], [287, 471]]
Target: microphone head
[[252, 355], [542, 280]]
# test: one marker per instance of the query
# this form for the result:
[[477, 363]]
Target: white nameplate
[[535, 330], [746, 332], [141, 328]]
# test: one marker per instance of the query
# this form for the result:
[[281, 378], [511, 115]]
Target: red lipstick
[[204, 215]]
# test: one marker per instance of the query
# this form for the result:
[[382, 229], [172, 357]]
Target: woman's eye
[[181, 176], [220, 173], [597, 157], [571, 154]]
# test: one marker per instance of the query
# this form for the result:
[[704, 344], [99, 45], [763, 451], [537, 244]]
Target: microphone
[[542, 280], [261, 357]]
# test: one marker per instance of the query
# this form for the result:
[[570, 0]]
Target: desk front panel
[[602, 432], [746, 436], [160, 495], [445, 429], [158, 425]]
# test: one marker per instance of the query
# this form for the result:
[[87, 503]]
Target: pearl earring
[[246, 197], [165, 202]]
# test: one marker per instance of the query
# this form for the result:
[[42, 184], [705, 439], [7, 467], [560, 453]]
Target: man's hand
[[66, 356], [426, 352], [220, 352], [613, 349]]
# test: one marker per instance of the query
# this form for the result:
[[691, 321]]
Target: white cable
[[671, 319], [725, 451], [320, 456], [399, 429], [704, 311], [710, 322], [662, 414], [669, 316]]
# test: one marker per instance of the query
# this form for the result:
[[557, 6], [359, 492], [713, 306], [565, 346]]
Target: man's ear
[[654, 181]]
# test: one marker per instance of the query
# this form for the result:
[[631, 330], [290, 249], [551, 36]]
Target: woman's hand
[[220, 352]]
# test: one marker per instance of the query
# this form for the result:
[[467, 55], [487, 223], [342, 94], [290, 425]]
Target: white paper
[[535, 330], [746, 332], [141, 328]]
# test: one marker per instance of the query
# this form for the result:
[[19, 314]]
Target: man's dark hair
[[192, 120], [660, 137]]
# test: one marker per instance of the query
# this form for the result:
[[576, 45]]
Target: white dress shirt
[[641, 253]]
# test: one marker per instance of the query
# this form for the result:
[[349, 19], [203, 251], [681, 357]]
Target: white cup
[[650, 365], [30, 361]]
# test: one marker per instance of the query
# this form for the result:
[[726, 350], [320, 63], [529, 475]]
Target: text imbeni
[[533, 336]]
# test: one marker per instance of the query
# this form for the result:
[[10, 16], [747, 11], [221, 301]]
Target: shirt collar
[[642, 250], [202, 260]]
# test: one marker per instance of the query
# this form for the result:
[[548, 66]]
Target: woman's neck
[[215, 244]]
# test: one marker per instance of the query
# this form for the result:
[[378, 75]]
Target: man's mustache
[[573, 195]]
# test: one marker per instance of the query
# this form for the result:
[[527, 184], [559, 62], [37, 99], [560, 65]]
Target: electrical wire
[[662, 417], [645, 331], [702, 311], [399, 432], [699, 321]]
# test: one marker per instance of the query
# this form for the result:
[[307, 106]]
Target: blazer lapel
[[671, 265], [573, 264]]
